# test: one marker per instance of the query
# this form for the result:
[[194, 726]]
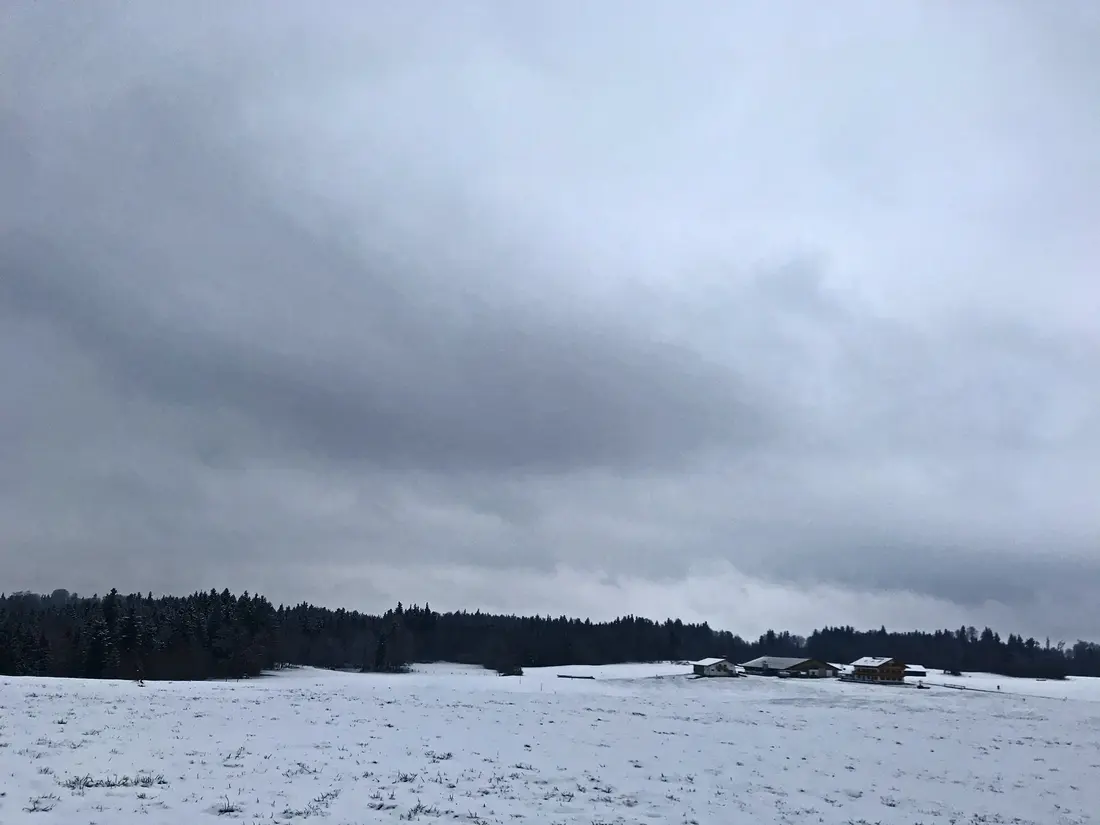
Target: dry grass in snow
[[637, 744]]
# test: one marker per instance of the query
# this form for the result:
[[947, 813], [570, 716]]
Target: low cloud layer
[[762, 319]]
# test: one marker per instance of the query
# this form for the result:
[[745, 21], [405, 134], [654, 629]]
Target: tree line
[[220, 635]]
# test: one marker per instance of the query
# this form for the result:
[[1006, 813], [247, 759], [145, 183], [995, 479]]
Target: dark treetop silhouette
[[219, 635]]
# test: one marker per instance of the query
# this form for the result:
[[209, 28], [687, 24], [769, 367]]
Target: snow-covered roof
[[915, 667], [775, 662], [706, 662], [872, 661]]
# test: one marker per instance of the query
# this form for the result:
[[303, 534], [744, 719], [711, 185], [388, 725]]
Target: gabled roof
[[873, 661], [707, 662], [776, 662]]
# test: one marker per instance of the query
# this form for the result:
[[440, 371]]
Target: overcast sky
[[772, 318]]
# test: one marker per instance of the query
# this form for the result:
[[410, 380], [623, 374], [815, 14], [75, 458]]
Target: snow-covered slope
[[1087, 690], [638, 743]]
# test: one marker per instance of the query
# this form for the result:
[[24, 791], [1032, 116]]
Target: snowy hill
[[636, 743]]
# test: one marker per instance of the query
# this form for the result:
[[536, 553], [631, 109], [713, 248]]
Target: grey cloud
[[283, 299], [391, 355], [495, 395]]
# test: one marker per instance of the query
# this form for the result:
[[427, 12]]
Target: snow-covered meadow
[[639, 743]]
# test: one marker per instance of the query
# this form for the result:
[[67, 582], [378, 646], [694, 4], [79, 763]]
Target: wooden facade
[[878, 669]]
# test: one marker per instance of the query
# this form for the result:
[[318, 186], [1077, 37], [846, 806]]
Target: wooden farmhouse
[[713, 667], [878, 669], [787, 667]]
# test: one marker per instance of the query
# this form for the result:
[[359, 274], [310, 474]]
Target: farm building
[[784, 666], [879, 669], [916, 671], [713, 667]]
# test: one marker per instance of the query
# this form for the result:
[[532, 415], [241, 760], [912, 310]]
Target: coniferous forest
[[220, 635]]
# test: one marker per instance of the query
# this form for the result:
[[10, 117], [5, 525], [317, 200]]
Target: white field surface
[[638, 743]]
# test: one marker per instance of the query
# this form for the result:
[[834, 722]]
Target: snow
[[706, 662], [637, 743], [1076, 688]]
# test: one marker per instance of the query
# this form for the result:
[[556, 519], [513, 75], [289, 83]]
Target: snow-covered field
[[637, 744]]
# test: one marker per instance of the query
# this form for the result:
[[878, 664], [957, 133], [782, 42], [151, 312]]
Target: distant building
[[878, 669], [916, 671], [713, 667], [785, 666]]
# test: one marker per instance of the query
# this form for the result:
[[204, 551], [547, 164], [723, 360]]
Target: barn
[[787, 667], [713, 667]]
